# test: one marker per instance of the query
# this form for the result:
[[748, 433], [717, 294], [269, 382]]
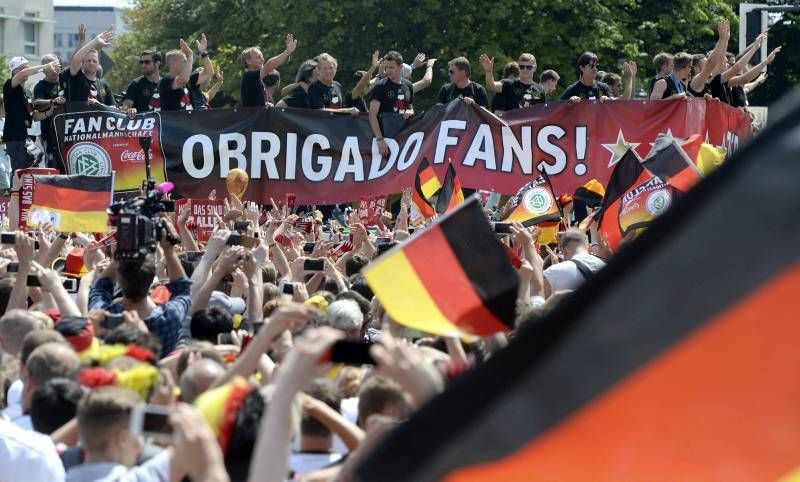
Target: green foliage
[[4, 73], [556, 31]]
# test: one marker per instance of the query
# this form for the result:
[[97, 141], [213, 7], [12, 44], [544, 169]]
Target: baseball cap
[[16, 62]]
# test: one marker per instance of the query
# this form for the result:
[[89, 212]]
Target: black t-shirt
[[82, 89], [144, 94], [173, 99], [46, 90], [252, 90], [473, 90], [518, 95], [359, 103], [738, 96], [298, 98], [393, 97], [578, 89], [321, 96], [498, 101], [19, 111], [702, 93], [199, 101], [719, 90]]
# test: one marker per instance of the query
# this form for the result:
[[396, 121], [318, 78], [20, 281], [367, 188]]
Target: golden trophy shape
[[236, 182]]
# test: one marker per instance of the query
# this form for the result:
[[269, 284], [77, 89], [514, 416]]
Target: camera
[[138, 228]]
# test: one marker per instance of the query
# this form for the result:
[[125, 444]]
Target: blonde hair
[[173, 54], [327, 58], [526, 57]]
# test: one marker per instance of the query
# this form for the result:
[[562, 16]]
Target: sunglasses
[[145, 62], [593, 66], [526, 67]]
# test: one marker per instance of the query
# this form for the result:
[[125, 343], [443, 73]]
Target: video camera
[[138, 228]]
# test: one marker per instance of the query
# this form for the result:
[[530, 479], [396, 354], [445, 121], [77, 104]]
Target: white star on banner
[[619, 148]]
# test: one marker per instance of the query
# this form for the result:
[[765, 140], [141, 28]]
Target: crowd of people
[[230, 342], [386, 87]]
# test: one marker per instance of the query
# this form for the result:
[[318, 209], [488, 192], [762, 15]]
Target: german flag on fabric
[[534, 203], [426, 185], [668, 161], [450, 195], [678, 361], [73, 203], [454, 278]]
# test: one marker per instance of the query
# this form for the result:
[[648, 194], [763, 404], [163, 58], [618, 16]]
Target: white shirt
[[566, 276], [27, 456], [14, 406], [304, 463], [154, 470]]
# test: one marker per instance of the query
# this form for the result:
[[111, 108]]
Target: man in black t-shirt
[[48, 94], [549, 81], [253, 92], [19, 110], [85, 84], [460, 86], [520, 93], [142, 94], [173, 87], [587, 87], [201, 76], [326, 93], [390, 94]]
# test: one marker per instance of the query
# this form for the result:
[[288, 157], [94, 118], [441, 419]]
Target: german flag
[[620, 201], [450, 196], [74, 203], [452, 279], [678, 361], [533, 204], [668, 161], [426, 185]]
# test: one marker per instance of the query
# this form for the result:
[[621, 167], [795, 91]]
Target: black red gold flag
[[454, 278]]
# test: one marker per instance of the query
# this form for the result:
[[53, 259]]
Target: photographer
[[135, 279]]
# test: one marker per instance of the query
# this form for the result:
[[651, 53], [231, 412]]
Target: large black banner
[[324, 157]]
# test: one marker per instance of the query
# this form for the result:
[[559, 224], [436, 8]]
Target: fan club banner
[[323, 157]]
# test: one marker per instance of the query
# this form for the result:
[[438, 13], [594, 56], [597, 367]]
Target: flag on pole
[[450, 195]]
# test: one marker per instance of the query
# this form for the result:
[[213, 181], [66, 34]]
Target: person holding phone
[[111, 448]]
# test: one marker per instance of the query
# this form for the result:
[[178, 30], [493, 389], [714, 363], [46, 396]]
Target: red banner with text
[[323, 157]]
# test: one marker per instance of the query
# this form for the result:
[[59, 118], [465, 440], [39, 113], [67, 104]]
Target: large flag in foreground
[[454, 278], [73, 203], [678, 361]]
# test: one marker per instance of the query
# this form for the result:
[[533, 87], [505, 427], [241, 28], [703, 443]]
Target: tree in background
[[556, 31]]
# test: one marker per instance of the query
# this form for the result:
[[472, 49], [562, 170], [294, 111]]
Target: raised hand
[[104, 38], [376, 59], [418, 60], [724, 29], [486, 62], [185, 48], [291, 44], [771, 56], [202, 44]]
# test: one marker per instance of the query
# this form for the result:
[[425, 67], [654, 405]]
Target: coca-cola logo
[[134, 156]]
